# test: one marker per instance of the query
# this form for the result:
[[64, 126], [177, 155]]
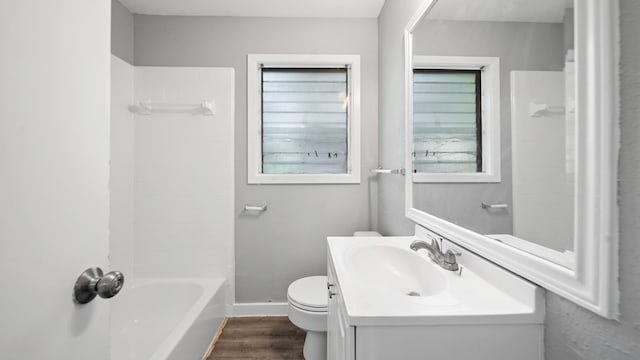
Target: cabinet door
[[340, 336], [345, 333]]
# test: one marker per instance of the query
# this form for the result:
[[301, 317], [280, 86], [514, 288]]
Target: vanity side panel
[[500, 342]]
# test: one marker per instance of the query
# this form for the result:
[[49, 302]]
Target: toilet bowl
[[307, 298]]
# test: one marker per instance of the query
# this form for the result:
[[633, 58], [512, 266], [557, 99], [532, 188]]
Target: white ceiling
[[550, 11], [267, 8]]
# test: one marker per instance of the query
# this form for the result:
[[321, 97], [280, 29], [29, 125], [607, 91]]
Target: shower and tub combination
[[171, 208], [167, 319]]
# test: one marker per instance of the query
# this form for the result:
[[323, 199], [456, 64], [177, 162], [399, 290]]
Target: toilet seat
[[309, 294], [307, 308]]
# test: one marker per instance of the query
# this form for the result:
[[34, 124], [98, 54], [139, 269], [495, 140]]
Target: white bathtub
[[173, 319]]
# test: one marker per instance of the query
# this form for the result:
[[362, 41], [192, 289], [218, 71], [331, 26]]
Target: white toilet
[[307, 299]]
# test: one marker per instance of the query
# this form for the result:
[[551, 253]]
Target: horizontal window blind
[[446, 121], [304, 121]]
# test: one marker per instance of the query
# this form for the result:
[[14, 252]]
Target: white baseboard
[[258, 309]]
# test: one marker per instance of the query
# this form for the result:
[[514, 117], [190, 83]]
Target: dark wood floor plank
[[276, 331], [265, 338]]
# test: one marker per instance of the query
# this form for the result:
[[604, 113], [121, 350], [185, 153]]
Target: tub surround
[[183, 188], [171, 205], [172, 228]]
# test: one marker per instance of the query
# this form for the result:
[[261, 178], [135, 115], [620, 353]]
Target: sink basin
[[399, 271]]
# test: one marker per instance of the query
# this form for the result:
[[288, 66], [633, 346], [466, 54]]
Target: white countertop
[[375, 292]]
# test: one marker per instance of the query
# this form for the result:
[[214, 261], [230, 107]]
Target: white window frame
[[255, 63], [490, 123]]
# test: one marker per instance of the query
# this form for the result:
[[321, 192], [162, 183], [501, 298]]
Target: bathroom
[[81, 189]]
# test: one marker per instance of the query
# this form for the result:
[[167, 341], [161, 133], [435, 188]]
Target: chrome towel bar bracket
[[380, 170], [255, 208], [494, 206]]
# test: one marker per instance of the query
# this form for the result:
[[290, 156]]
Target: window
[[303, 119], [447, 121], [456, 119]]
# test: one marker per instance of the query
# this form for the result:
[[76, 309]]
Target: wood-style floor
[[265, 338]]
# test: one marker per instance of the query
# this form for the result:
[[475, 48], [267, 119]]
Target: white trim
[[259, 309], [593, 282], [490, 116], [254, 129], [564, 258]]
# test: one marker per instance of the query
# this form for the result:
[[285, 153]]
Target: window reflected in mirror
[[447, 121]]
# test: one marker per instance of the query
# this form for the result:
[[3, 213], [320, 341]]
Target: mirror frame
[[593, 282]]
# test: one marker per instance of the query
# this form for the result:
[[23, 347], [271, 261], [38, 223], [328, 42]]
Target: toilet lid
[[309, 292]]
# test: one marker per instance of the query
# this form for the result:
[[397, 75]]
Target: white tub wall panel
[[540, 197], [184, 175], [121, 177], [500, 342]]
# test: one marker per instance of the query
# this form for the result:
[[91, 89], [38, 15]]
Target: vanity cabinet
[[384, 303]]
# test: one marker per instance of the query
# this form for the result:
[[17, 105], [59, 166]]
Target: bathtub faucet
[[446, 260]]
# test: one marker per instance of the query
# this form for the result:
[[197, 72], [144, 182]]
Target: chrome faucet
[[446, 260]]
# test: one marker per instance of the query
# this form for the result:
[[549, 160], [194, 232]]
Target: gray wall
[[391, 22], [289, 240], [571, 332], [460, 203], [121, 32], [575, 333]]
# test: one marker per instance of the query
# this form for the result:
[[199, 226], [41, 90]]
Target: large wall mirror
[[511, 117]]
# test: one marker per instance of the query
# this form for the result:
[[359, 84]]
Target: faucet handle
[[435, 245], [450, 256], [454, 252]]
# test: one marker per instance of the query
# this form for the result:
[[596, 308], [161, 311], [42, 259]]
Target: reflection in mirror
[[493, 121], [455, 95]]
